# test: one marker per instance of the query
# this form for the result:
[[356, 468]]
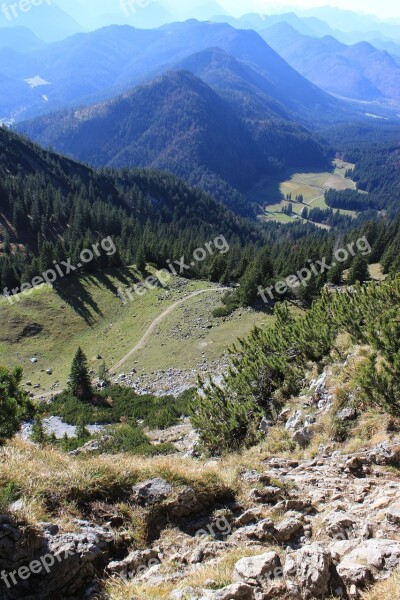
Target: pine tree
[[14, 403], [358, 271], [140, 259], [38, 435], [80, 384]]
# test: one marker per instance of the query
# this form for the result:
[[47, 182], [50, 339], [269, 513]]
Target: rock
[[256, 570], [135, 564], [284, 415], [308, 571], [267, 495], [208, 550], [287, 529], [353, 573], [250, 516], [265, 425], [262, 532], [378, 555], [303, 436], [393, 515], [294, 421], [256, 476], [184, 504], [152, 491], [347, 414], [340, 548], [236, 591], [298, 505], [340, 525], [70, 558], [384, 454], [192, 593]]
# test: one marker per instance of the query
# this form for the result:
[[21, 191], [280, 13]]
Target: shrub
[[15, 405]]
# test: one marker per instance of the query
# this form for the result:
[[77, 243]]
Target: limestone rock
[[152, 491], [256, 570], [236, 591], [308, 570]]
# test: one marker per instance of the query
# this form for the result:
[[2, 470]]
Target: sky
[[382, 8]]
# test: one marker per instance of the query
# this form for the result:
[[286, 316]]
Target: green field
[[88, 313], [312, 186]]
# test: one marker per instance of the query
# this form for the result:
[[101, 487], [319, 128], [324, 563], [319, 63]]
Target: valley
[[272, 194], [189, 339], [199, 301]]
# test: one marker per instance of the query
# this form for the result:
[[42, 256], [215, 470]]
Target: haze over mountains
[[180, 124], [74, 71], [359, 71]]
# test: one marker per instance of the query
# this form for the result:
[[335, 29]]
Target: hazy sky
[[382, 8]]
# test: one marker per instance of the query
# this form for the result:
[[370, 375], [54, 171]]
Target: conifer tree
[[80, 384], [358, 271]]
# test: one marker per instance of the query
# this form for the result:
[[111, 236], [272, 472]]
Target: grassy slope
[[311, 186], [90, 314]]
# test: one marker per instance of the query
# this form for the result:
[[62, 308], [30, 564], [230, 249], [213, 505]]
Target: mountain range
[[75, 71], [179, 123], [359, 71]]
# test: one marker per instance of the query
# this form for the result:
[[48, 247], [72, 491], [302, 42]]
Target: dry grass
[[386, 590], [52, 482], [219, 571]]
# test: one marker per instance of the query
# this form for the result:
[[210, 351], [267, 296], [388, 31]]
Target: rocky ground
[[315, 522]]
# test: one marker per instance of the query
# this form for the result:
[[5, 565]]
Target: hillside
[[20, 39], [47, 20], [180, 124], [359, 71], [52, 207], [78, 74]]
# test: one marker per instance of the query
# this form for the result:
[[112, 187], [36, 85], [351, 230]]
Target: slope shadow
[[73, 293]]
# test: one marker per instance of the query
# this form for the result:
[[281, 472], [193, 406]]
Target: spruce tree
[[358, 271], [80, 384]]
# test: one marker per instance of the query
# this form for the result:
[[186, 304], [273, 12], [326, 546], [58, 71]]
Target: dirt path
[[159, 319], [148, 333]]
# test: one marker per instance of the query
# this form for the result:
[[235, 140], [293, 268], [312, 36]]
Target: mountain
[[46, 20], [93, 14], [53, 207], [177, 122], [349, 21], [359, 71], [86, 68], [19, 39]]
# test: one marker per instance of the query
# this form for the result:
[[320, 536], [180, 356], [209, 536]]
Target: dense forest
[[52, 208]]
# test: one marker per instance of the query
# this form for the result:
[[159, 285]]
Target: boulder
[[340, 525], [393, 515], [183, 504], [257, 570], [236, 591], [135, 564], [308, 572], [303, 436], [267, 495], [294, 421], [371, 559], [152, 491], [288, 529], [347, 414]]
